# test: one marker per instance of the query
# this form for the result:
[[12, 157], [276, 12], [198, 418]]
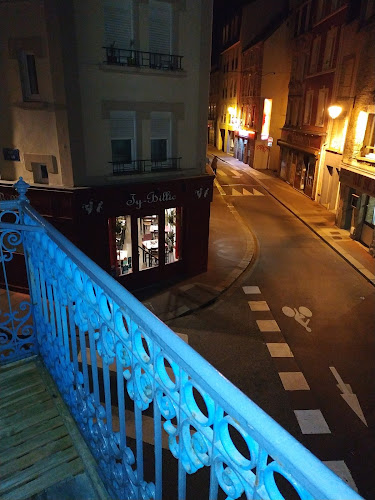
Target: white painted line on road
[[257, 193], [268, 325], [258, 305], [220, 172], [312, 422], [348, 396], [235, 192], [235, 173], [250, 289], [279, 350], [294, 381], [246, 192], [340, 468], [220, 189]]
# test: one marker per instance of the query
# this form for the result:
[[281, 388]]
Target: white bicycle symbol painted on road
[[300, 315]]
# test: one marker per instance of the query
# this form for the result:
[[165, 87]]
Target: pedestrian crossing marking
[[235, 173], [235, 192]]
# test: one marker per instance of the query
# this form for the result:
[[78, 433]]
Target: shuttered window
[[160, 136], [160, 27], [123, 136], [118, 23]]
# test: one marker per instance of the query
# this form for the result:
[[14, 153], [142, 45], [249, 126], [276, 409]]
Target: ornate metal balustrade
[[140, 166], [108, 354], [142, 59]]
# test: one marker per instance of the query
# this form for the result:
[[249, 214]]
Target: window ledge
[[363, 159], [138, 70]]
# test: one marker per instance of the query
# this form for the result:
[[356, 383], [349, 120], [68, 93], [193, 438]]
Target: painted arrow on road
[[348, 396]]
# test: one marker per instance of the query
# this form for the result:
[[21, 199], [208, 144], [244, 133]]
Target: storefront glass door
[[148, 241]]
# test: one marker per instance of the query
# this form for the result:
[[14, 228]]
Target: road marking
[[250, 289], [246, 192], [268, 325], [258, 305], [235, 192], [312, 422], [294, 381], [257, 193], [220, 189], [340, 468], [235, 173], [279, 350], [348, 396], [299, 315]]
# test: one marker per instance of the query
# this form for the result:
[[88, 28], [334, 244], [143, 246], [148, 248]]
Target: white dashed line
[[250, 289], [340, 468], [294, 381], [258, 305], [279, 350], [312, 422], [268, 325]]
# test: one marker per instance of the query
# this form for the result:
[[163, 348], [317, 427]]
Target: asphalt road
[[328, 372]]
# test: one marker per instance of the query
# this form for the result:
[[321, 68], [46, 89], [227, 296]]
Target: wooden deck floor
[[36, 450]]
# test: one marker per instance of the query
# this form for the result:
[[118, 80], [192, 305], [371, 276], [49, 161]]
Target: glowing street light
[[334, 111], [231, 110]]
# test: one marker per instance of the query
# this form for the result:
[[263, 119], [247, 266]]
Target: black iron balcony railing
[[142, 59], [140, 166]]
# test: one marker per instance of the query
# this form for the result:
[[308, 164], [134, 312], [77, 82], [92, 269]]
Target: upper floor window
[[29, 77], [160, 136], [118, 24], [160, 27], [122, 124], [308, 107], [368, 149], [329, 49], [322, 107], [315, 55]]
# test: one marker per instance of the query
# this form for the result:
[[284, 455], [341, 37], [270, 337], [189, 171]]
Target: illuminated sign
[[266, 119]]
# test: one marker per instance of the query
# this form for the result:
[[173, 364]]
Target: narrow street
[[295, 333]]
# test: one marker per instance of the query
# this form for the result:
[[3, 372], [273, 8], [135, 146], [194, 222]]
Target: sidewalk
[[311, 213]]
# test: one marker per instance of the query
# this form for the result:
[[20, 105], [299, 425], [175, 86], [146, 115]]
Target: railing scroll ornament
[[116, 365]]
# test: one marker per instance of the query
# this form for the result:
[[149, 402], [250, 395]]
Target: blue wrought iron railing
[[117, 366]]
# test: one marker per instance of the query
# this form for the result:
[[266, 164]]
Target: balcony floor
[[36, 447]]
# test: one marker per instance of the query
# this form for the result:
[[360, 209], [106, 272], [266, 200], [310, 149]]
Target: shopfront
[[140, 233], [298, 160], [356, 211]]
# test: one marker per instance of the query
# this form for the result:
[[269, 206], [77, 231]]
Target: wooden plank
[[26, 392], [24, 403], [28, 459], [30, 432], [11, 373], [30, 420], [31, 473], [21, 449], [45, 480], [19, 384]]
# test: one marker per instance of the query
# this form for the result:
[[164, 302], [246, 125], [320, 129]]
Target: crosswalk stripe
[[235, 192], [246, 192], [257, 193]]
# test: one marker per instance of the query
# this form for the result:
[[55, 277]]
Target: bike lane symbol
[[302, 315]]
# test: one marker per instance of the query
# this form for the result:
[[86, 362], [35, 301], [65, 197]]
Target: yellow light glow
[[231, 110], [361, 127], [266, 119], [334, 111]]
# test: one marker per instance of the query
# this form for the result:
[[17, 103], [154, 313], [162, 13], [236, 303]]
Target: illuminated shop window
[[368, 149], [123, 245], [172, 234], [148, 241]]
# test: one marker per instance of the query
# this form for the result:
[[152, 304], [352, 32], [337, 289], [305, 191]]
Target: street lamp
[[231, 110], [334, 111]]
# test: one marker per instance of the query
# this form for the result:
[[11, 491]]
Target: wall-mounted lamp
[[334, 111], [231, 110]]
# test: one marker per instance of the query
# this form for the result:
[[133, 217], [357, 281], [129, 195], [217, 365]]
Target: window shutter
[[118, 23], [122, 125], [160, 126], [160, 27]]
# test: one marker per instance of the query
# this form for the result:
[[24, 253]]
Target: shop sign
[[202, 192], [93, 207], [150, 198]]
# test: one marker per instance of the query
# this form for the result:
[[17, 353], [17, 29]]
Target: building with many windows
[[104, 112]]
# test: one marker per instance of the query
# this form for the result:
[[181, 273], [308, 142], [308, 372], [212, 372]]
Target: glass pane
[[148, 242], [370, 212], [123, 245], [158, 149], [121, 150], [172, 234]]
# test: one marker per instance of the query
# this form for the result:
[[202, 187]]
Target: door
[[367, 233]]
